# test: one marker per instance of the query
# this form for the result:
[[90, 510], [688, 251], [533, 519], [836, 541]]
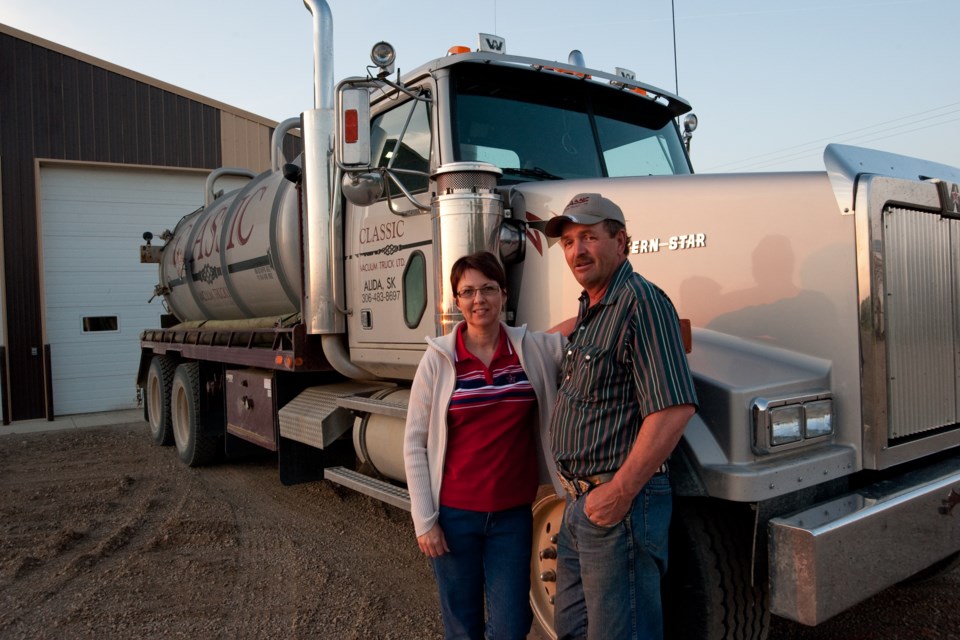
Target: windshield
[[541, 126]]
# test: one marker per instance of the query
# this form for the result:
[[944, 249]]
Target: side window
[[414, 289], [404, 149]]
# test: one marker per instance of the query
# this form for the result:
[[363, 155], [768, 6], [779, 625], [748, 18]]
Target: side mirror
[[362, 189], [353, 127]]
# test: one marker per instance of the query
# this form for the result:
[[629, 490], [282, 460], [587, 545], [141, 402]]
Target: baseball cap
[[584, 208]]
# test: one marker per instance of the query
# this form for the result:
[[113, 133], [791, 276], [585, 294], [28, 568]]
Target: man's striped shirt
[[625, 361]]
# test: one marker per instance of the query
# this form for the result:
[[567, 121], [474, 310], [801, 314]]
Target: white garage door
[[95, 288]]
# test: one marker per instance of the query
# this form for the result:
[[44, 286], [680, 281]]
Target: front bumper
[[828, 558]]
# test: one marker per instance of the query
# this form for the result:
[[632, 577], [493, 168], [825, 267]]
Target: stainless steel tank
[[238, 257]]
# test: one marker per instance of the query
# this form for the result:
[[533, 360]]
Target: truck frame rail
[[284, 348]]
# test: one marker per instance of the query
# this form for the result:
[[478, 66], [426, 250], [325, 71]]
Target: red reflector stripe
[[351, 126]]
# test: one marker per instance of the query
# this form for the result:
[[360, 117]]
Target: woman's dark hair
[[482, 261]]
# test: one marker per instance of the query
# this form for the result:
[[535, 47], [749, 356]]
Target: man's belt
[[577, 486]]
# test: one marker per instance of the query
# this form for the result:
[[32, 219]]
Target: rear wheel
[[193, 446], [708, 591], [159, 382]]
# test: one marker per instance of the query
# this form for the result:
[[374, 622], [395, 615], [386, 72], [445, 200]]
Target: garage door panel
[[122, 298], [130, 231], [64, 282], [92, 222], [116, 393], [71, 328], [72, 185], [78, 368], [83, 274]]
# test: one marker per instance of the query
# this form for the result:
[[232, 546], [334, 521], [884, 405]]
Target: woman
[[478, 412]]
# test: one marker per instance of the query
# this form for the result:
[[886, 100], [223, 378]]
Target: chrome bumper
[[830, 557]]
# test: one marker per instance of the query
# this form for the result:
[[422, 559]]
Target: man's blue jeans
[[489, 557], [608, 578]]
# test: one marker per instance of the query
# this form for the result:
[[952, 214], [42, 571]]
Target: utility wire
[[809, 149], [859, 139]]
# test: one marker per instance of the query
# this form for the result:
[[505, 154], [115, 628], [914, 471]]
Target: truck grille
[[921, 277]]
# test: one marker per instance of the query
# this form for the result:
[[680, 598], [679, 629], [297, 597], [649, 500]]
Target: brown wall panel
[[85, 122], [20, 234], [54, 82], [56, 106], [70, 123]]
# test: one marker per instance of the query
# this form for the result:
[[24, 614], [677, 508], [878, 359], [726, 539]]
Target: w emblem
[[492, 43]]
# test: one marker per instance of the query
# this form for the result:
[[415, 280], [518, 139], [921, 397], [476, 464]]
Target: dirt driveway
[[103, 534]]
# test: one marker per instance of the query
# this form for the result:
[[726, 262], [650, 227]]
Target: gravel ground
[[103, 534]]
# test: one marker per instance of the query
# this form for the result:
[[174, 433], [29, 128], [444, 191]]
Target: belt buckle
[[570, 486], [583, 485]]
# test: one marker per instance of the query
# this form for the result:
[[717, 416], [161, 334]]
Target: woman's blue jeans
[[608, 578], [489, 559]]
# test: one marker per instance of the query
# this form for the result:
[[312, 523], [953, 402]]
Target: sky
[[771, 81]]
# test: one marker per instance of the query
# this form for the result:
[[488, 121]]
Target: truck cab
[[482, 112]]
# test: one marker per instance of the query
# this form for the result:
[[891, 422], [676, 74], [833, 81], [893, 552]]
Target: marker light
[[457, 49]]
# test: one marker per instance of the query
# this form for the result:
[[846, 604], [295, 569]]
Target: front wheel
[[193, 446], [547, 515]]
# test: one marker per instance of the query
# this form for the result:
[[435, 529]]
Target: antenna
[[673, 20]]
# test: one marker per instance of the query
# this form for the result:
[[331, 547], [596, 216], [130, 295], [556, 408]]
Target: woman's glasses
[[487, 291]]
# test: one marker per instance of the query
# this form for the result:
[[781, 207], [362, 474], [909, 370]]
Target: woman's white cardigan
[[425, 438]]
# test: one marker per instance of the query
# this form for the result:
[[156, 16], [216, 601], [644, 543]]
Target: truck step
[[383, 491], [387, 408], [314, 418]]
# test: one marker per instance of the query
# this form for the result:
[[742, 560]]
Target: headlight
[[785, 423], [818, 418]]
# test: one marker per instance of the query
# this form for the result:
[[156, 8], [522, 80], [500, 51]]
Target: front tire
[[194, 448], [709, 592]]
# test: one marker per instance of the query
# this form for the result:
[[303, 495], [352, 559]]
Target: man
[[624, 400]]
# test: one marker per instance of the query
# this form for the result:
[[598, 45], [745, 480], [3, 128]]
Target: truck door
[[389, 255]]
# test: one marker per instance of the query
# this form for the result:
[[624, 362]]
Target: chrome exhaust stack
[[467, 213], [321, 246]]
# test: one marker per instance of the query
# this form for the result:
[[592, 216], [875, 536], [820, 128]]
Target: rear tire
[[159, 382], [194, 448], [708, 593]]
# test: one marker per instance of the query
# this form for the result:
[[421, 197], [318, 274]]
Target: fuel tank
[[238, 257]]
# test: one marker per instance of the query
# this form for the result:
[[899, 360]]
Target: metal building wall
[[59, 104]]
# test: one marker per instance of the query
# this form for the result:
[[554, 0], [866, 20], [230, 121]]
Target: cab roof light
[[383, 55]]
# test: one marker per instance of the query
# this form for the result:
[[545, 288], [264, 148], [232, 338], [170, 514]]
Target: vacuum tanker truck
[[823, 464]]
